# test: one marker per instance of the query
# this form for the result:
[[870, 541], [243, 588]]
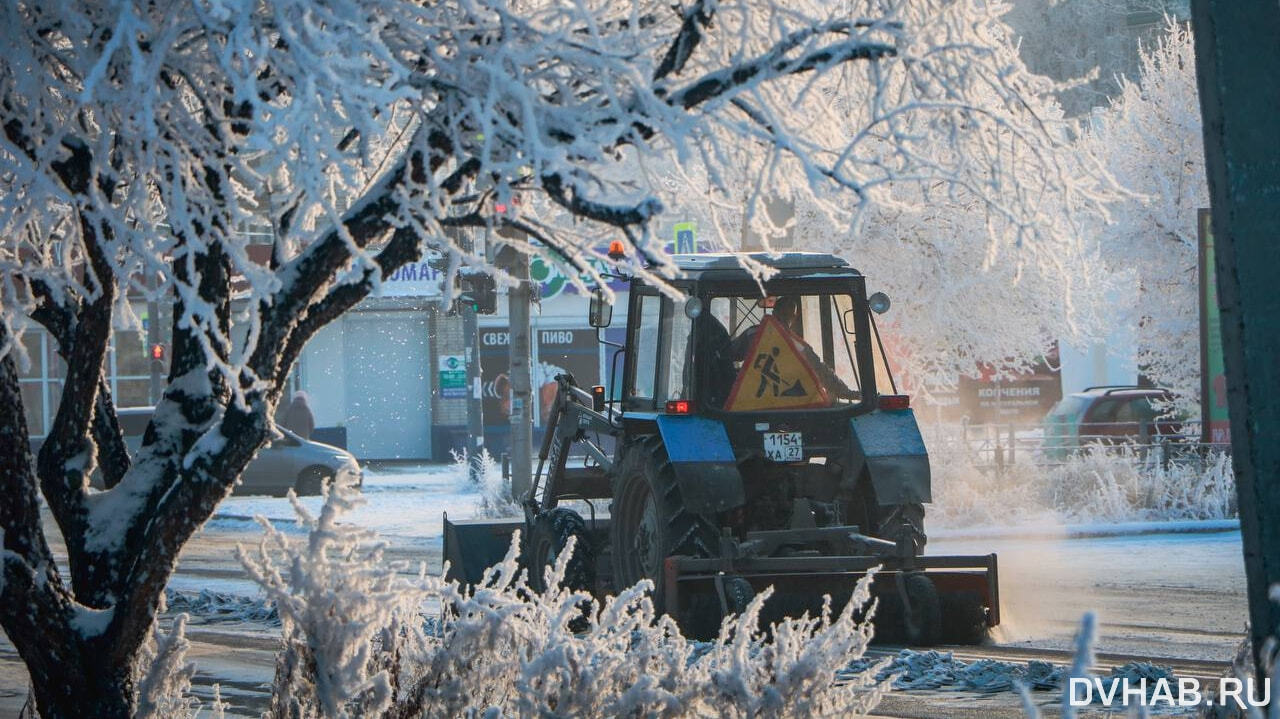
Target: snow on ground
[[404, 502]]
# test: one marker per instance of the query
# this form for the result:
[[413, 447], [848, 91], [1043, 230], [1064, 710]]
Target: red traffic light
[[157, 352]]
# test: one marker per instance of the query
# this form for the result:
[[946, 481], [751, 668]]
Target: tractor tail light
[[894, 401], [679, 406]]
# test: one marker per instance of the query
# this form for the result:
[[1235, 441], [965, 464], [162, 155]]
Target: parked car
[[288, 462], [1112, 414]]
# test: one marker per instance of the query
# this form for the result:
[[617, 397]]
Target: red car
[[1112, 414]]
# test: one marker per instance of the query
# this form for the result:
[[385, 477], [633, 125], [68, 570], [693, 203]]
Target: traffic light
[[157, 352], [480, 291]]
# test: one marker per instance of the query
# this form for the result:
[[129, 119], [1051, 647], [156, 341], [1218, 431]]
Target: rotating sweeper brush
[[754, 439]]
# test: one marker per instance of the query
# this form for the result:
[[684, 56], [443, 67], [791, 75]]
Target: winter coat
[[298, 418]]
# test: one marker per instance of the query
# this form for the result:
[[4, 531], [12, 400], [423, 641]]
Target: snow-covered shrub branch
[[164, 683], [335, 597], [483, 474], [355, 644]]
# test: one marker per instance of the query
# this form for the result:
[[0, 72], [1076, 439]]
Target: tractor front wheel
[[551, 533]]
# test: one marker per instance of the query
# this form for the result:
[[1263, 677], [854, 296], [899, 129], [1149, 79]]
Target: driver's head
[[787, 311]]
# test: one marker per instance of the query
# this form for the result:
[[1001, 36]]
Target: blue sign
[[685, 242]]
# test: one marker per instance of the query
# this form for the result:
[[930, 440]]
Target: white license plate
[[784, 446]]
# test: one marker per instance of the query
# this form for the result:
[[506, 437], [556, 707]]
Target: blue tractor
[[754, 438]]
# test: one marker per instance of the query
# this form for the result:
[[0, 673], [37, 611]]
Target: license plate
[[784, 446]]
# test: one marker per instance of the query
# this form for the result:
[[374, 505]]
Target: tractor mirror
[[601, 312], [879, 303]]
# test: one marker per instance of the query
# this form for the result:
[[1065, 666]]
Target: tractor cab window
[[663, 331], [779, 352], [646, 348]]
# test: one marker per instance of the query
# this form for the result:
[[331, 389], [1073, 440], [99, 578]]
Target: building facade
[[391, 372]]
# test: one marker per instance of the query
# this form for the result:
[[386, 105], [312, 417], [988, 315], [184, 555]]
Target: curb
[[1091, 531]]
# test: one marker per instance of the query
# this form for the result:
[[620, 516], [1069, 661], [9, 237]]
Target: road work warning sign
[[775, 374]]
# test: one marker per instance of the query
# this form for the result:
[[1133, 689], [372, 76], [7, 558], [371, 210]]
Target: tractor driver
[[786, 310]]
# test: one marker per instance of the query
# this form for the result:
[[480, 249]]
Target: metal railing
[[994, 447]]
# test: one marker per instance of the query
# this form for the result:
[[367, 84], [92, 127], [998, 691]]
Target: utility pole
[[1237, 62], [475, 407], [519, 300], [468, 308]]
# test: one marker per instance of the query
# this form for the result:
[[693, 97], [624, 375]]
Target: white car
[[288, 462]]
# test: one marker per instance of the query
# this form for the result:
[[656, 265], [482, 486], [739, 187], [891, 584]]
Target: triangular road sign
[[775, 374]]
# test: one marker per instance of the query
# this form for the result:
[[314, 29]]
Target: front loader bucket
[[965, 589], [473, 545]]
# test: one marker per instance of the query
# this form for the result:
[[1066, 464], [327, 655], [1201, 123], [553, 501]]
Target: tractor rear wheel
[[901, 523], [549, 537], [650, 520]]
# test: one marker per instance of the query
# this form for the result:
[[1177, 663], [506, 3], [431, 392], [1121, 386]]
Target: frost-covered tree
[[972, 205], [141, 139], [1150, 138]]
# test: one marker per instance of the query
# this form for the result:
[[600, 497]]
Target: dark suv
[[1111, 414]]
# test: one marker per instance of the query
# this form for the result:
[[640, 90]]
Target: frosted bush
[[164, 677], [495, 498], [1123, 484], [356, 645], [1115, 484], [335, 598]]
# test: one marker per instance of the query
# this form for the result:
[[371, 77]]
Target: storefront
[[388, 372], [368, 372]]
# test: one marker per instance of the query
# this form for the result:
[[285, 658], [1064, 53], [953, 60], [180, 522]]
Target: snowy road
[[1170, 595], [1161, 595]]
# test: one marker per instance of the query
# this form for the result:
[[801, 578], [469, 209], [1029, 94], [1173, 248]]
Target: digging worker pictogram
[[767, 363]]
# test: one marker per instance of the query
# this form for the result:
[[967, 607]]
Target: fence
[[994, 447]]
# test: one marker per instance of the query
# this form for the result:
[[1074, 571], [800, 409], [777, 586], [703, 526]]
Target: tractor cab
[[798, 351]]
